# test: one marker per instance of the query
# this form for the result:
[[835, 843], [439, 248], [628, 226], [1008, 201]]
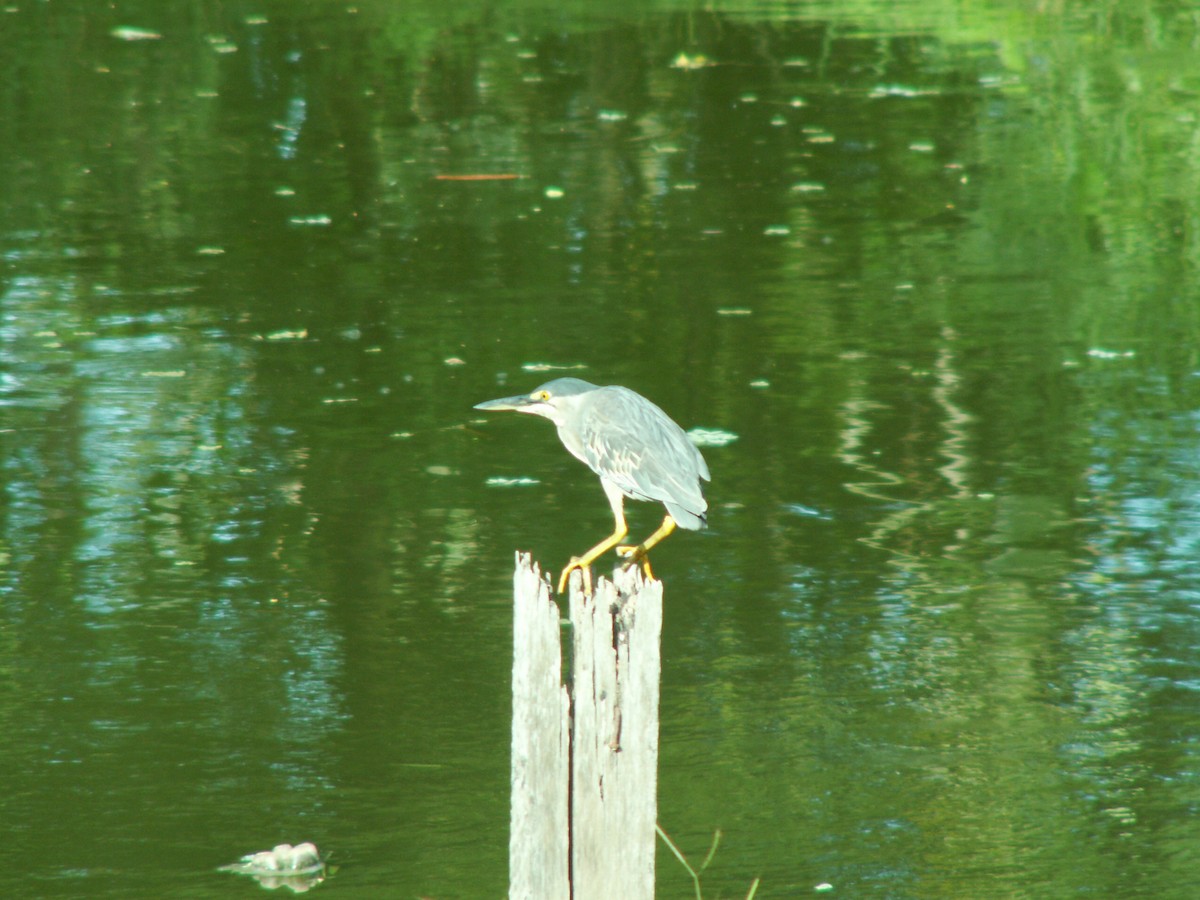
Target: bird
[[637, 450]]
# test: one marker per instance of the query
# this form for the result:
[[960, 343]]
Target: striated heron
[[635, 448]]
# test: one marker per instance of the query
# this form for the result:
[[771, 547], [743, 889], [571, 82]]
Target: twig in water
[[695, 873]]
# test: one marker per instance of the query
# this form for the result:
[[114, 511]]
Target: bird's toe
[[585, 571]]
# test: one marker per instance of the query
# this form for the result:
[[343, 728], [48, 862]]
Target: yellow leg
[[583, 563], [638, 553]]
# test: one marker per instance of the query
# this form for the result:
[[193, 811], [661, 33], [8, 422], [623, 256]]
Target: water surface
[[933, 266]]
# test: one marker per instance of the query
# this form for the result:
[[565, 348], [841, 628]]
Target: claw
[[634, 554], [586, 570]]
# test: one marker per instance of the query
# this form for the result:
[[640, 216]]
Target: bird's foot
[[635, 554], [584, 568]]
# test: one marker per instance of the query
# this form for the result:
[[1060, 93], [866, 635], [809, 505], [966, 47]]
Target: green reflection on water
[[931, 263]]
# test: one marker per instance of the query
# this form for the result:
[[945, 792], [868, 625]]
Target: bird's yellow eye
[[543, 395]]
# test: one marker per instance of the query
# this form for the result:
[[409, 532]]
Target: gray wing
[[635, 445]]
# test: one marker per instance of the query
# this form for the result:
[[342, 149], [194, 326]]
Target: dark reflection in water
[[927, 272]]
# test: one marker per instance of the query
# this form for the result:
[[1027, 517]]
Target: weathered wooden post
[[539, 837], [585, 754]]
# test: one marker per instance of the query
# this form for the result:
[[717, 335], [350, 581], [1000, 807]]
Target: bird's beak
[[520, 403]]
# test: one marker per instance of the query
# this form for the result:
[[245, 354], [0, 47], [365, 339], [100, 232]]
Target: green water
[[932, 264]]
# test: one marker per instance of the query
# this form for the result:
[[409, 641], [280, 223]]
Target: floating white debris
[[210, 251], [760, 383], [554, 193], [500, 481], [283, 859], [454, 361], [898, 90], [551, 367], [921, 147], [310, 220], [711, 437], [286, 335], [734, 311], [173, 373], [221, 43], [807, 187], [801, 510], [612, 115], [696, 61], [1099, 353], [1122, 814], [777, 230], [130, 33]]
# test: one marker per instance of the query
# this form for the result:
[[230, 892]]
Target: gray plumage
[[626, 440], [637, 450]]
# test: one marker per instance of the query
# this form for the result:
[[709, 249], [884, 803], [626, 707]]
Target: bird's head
[[554, 400]]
